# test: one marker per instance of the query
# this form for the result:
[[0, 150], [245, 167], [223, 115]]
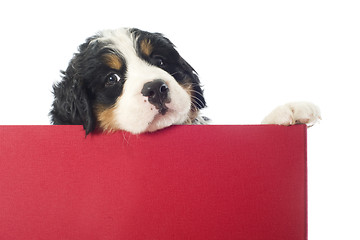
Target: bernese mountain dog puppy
[[128, 79], [133, 80]]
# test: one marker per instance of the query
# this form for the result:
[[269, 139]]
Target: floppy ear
[[197, 92], [72, 102], [71, 105]]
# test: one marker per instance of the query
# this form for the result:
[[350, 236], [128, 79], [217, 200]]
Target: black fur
[[84, 83]]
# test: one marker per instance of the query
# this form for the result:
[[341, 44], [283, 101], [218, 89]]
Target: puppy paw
[[294, 113]]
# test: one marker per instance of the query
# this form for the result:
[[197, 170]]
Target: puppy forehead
[[130, 42], [120, 43]]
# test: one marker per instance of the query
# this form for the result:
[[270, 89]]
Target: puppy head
[[127, 79]]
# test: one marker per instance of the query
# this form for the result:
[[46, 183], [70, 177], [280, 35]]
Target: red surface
[[184, 182]]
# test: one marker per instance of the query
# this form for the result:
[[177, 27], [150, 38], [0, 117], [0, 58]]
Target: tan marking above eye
[[112, 61], [146, 47]]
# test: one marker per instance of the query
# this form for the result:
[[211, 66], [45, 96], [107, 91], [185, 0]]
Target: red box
[[184, 182]]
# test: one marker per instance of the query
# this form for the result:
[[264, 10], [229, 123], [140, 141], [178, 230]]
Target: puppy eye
[[112, 79], [158, 61]]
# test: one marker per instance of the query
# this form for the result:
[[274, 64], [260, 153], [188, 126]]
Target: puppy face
[[127, 79]]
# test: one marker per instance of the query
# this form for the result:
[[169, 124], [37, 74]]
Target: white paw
[[294, 113]]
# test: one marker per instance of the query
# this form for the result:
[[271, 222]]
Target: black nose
[[158, 94]]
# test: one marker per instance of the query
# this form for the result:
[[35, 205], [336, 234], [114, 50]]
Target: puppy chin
[[158, 122], [170, 118], [145, 117]]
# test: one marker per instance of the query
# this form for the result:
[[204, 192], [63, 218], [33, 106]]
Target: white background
[[251, 56]]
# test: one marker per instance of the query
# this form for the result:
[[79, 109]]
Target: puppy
[[133, 80]]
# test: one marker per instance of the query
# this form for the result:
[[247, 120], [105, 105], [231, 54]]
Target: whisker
[[125, 138], [172, 74], [198, 100], [194, 91]]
